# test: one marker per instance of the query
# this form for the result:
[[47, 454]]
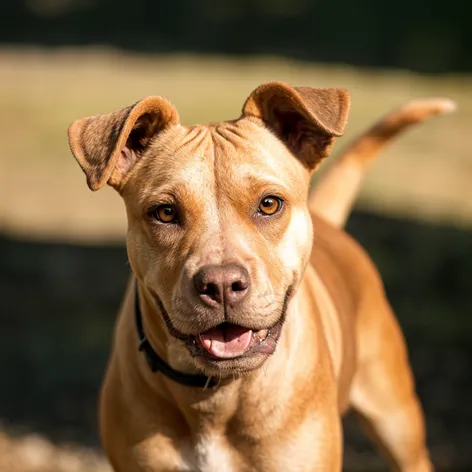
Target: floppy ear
[[306, 119], [108, 146]]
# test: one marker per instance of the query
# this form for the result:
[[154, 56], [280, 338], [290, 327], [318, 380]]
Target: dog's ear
[[108, 146], [306, 119]]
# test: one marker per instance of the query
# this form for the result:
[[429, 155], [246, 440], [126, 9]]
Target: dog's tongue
[[227, 340]]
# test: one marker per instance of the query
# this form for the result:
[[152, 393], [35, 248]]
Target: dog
[[252, 321]]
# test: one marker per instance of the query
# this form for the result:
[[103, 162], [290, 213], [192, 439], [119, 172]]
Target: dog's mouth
[[228, 341]]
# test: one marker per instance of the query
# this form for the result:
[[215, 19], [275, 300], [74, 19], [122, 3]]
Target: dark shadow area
[[59, 303], [421, 35]]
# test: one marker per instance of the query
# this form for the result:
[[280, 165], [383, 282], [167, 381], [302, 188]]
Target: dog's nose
[[222, 285]]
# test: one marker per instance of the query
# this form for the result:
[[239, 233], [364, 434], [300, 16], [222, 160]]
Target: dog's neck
[[214, 407]]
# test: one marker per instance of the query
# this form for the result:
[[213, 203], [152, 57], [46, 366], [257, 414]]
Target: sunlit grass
[[426, 174]]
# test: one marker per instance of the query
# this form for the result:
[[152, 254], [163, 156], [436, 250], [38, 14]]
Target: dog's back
[[349, 279]]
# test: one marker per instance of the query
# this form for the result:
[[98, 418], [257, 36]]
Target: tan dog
[[254, 341]]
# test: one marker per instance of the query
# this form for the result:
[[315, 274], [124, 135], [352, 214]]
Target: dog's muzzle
[[228, 340]]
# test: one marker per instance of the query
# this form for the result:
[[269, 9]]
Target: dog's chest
[[211, 453]]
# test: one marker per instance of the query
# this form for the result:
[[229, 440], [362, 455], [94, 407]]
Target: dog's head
[[218, 227]]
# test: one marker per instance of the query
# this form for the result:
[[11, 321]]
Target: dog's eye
[[270, 205], [165, 213]]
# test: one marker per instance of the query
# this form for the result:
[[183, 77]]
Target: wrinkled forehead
[[207, 157]]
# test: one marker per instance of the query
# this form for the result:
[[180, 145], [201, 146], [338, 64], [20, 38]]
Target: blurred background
[[63, 264]]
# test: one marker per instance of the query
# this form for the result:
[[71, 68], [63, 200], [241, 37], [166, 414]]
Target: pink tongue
[[226, 341]]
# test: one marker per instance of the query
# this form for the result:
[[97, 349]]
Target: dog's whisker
[[207, 383]]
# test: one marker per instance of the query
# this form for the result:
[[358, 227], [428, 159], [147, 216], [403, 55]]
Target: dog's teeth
[[262, 334]]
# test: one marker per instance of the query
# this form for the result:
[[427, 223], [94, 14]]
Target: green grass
[[426, 174]]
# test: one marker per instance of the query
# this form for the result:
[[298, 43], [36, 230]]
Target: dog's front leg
[[139, 434], [383, 393], [314, 446]]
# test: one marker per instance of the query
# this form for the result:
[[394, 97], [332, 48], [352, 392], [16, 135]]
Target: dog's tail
[[334, 194]]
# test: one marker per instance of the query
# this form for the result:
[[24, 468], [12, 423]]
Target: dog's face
[[218, 228], [219, 233]]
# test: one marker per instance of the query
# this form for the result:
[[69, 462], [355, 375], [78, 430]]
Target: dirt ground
[[34, 453]]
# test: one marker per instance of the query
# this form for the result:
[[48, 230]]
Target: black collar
[[156, 363]]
